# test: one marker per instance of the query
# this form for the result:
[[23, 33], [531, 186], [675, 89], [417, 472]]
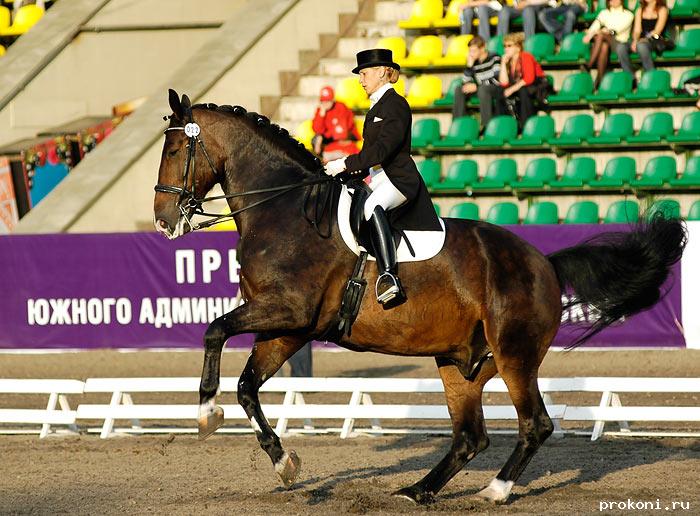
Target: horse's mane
[[273, 133]]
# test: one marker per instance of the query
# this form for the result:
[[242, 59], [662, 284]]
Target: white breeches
[[384, 194]]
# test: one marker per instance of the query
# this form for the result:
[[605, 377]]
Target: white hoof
[[497, 491]]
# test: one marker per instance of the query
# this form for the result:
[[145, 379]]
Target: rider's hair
[[392, 74]]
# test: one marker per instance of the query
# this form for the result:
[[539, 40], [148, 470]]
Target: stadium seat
[[437, 208], [304, 133], [582, 212], [578, 172], [399, 87], [616, 128], [396, 44], [689, 131], [538, 130], [671, 208], [429, 169], [658, 171], [499, 174], [654, 84], [456, 53], [613, 86], [571, 50], [451, 18], [540, 45], [462, 131], [618, 172], [622, 212], [655, 127], [694, 211], [448, 98], [423, 14], [577, 129], [27, 16], [495, 45], [499, 130], [2, 50], [691, 73], [687, 45], [575, 87], [425, 131], [685, 9], [424, 50], [5, 18], [461, 174], [691, 174], [424, 90], [542, 213], [349, 91], [539, 172], [465, 210], [503, 213]]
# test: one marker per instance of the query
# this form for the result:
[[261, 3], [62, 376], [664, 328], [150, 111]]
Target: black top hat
[[375, 57]]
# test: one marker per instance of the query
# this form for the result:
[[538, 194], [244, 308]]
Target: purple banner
[[139, 290]]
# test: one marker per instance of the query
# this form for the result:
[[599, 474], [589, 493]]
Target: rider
[[397, 187]]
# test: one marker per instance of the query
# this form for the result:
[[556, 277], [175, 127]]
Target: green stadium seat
[[688, 74], [461, 174], [689, 131], [694, 211], [685, 9], [616, 128], [687, 45], [575, 87], [658, 171], [618, 172], [465, 210], [537, 131], [654, 84], [542, 213], [437, 208], [577, 129], [425, 132], [539, 172], [499, 130], [571, 50], [429, 169], [691, 174], [449, 97], [503, 213], [463, 131], [495, 45], [622, 212], [613, 86], [578, 172], [499, 174], [655, 127], [671, 208], [582, 212], [540, 45]]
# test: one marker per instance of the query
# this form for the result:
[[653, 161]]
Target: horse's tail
[[620, 274]]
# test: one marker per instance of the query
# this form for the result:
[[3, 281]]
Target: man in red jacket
[[335, 128]]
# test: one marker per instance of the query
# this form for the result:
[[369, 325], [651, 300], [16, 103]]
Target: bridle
[[189, 205]]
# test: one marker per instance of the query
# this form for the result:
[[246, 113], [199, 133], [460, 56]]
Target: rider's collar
[[374, 97]]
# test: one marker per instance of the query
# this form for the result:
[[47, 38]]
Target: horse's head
[[188, 169]]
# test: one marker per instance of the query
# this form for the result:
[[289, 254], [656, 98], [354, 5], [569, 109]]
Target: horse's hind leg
[[468, 428]]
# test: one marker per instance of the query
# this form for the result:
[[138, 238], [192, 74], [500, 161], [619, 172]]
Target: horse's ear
[[186, 104], [175, 104]]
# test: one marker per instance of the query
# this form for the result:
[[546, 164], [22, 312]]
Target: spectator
[[480, 77], [528, 9], [609, 32], [484, 10], [522, 77], [647, 35], [335, 128], [570, 10]]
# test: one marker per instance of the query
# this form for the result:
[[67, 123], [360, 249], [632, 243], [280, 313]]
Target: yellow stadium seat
[[423, 14], [227, 225], [350, 92], [2, 50], [359, 124], [457, 50], [400, 86], [424, 90], [451, 19], [5, 17], [424, 50], [396, 44], [304, 133], [25, 19]]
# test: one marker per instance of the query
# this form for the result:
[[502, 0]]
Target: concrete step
[[393, 10], [336, 66], [297, 108], [378, 29], [349, 47]]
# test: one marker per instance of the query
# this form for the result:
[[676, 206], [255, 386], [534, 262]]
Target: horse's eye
[[172, 152]]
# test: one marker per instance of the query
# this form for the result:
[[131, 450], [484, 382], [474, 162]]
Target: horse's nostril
[[162, 224]]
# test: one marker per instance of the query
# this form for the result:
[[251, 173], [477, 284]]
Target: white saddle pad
[[426, 244]]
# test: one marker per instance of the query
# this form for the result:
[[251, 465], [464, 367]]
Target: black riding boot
[[388, 287]]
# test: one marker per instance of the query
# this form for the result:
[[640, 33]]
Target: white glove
[[335, 167]]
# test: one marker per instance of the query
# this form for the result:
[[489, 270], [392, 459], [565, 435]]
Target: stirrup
[[389, 293]]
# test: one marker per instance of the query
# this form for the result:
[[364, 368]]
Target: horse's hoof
[[288, 468], [414, 495], [211, 418], [496, 492]]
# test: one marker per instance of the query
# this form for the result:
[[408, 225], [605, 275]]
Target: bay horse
[[487, 303]]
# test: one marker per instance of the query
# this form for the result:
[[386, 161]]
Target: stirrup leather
[[391, 292]]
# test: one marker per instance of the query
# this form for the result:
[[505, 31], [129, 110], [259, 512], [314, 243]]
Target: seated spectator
[[610, 31], [647, 34], [484, 10], [335, 128], [526, 86], [570, 10], [480, 77], [528, 9]]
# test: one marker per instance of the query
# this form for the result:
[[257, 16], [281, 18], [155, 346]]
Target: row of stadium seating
[[619, 173], [539, 133], [25, 19], [582, 212]]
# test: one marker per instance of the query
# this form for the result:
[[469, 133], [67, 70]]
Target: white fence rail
[[359, 407]]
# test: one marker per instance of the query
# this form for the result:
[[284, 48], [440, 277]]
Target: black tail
[[621, 274]]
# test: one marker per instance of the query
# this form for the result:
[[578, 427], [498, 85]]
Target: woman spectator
[[610, 31], [647, 34], [521, 77]]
